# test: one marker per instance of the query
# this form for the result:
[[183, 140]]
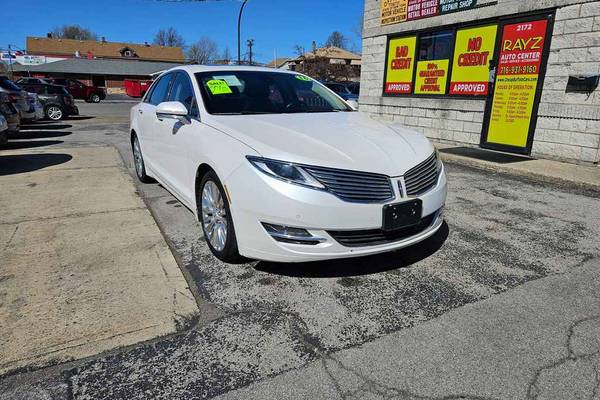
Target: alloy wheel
[[137, 158], [214, 216], [95, 98], [54, 113]]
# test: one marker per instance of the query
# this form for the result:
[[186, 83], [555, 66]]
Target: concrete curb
[[520, 172]]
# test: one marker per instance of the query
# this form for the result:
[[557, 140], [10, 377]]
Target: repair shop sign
[[473, 51], [400, 66]]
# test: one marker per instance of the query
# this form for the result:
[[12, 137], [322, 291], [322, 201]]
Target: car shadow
[[362, 265], [16, 145], [22, 163], [80, 118], [38, 134], [45, 126]]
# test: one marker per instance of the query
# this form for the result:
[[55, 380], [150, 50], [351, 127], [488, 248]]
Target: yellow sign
[[393, 11], [519, 65], [217, 86], [473, 52], [400, 65], [432, 77]]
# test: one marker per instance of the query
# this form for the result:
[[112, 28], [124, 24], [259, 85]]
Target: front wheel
[[138, 161], [54, 113], [95, 98], [215, 217]]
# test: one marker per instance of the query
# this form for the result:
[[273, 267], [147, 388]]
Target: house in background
[[97, 63], [280, 63], [101, 49], [328, 63]]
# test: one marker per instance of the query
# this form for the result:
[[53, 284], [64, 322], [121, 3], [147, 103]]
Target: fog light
[[288, 234]]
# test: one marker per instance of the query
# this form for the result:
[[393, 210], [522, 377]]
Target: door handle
[[141, 111]]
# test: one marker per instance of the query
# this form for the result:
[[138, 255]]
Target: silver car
[[3, 130]]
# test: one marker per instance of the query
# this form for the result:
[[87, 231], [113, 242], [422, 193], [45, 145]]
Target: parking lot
[[503, 302]]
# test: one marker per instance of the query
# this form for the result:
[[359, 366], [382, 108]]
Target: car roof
[[192, 69]]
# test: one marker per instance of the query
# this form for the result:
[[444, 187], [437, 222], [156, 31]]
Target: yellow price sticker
[[217, 86], [303, 78]]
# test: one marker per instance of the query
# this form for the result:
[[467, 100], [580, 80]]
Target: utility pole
[[239, 32], [250, 44], [12, 73]]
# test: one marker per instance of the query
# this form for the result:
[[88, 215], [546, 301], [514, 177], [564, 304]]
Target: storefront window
[[436, 46], [435, 50]]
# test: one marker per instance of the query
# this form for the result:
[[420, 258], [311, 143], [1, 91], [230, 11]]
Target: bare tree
[[73, 32], [358, 28], [337, 39], [226, 56], [169, 37], [203, 51], [298, 50]]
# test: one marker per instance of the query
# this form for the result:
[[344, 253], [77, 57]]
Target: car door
[[147, 123], [76, 89], [175, 135]]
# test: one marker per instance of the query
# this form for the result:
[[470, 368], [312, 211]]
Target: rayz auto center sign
[[396, 11]]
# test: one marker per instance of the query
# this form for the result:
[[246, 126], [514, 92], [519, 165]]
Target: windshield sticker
[[303, 78], [218, 87], [231, 80]]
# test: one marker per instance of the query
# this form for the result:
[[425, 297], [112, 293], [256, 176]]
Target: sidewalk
[[585, 177], [83, 266]]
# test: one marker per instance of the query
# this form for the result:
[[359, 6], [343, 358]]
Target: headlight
[[285, 171]]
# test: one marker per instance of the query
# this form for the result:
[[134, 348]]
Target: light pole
[[239, 32]]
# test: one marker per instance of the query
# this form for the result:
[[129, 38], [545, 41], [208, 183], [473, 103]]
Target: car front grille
[[423, 177], [376, 237], [354, 186]]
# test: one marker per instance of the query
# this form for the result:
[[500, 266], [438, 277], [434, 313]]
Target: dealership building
[[519, 76]]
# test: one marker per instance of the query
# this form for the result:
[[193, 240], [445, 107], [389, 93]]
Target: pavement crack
[[12, 236], [533, 389]]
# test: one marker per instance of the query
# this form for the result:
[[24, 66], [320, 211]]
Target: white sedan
[[277, 167]]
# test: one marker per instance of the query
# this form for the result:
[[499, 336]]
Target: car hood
[[345, 140]]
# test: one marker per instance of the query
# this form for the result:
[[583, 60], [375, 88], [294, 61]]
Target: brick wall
[[569, 124]]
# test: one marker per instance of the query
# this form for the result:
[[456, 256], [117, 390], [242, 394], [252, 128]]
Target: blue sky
[[274, 24]]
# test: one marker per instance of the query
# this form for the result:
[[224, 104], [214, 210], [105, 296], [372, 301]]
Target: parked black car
[[57, 101], [347, 91]]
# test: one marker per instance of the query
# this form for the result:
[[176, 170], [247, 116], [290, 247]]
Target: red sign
[[522, 48], [418, 9]]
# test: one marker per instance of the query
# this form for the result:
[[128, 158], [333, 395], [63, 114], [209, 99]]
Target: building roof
[[278, 62], [101, 49], [98, 66], [331, 52]]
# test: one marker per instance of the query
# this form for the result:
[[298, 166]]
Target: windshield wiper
[[244, 113]]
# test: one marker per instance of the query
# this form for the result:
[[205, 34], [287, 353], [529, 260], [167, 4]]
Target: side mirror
[[353, 104], [171, 109]]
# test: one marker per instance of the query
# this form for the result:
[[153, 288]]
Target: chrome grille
[[376, 237], [354, 186], [423, 177]]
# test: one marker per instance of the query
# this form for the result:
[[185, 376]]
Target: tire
[[225, 250], [3, 138], [138, 161], [94, 98], [54, 112]]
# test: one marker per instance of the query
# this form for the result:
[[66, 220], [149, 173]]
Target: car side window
[[160, 90], [183, 92]]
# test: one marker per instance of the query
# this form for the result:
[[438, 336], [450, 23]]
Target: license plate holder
[[402, 215]]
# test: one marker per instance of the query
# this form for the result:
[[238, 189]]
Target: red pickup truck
[[136, 87], [80, 90]]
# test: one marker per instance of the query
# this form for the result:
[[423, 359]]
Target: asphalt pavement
[[502, 303]]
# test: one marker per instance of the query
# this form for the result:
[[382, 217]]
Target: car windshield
[[261, 92]]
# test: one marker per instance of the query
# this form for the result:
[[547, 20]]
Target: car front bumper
[[256, 198]]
